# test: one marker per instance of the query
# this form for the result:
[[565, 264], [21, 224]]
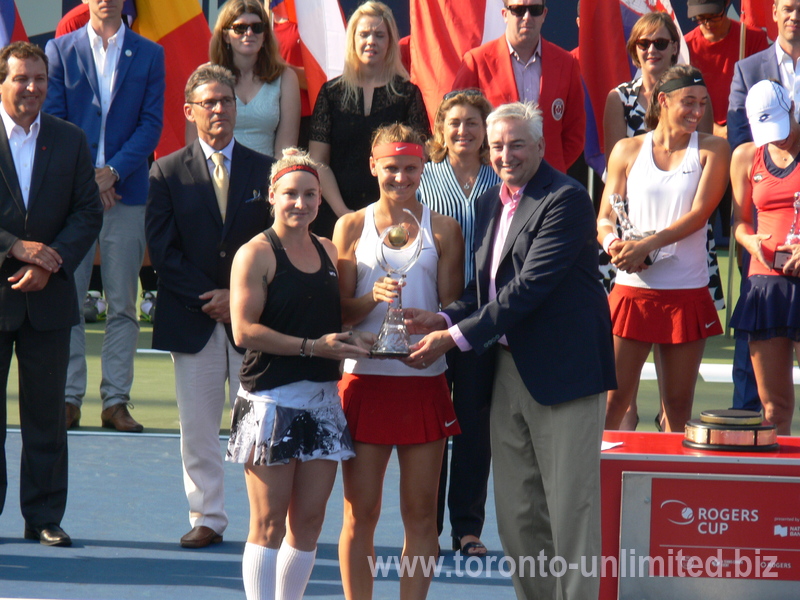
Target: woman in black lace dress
[[373, 90]]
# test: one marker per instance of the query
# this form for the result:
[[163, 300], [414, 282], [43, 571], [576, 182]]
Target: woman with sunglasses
[[456, 176], [387, 403], [673, 178], [287, 424], [267, 90], [765, 175], [373, 90]]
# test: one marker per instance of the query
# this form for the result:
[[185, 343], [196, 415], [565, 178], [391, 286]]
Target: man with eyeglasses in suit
[[521, 66], [205, 201]]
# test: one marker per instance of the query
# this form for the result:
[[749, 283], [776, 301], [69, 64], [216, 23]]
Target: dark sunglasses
[[467, 92], [241, 28], [519, 10], [660, 44]]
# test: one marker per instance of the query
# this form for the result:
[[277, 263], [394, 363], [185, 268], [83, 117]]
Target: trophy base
[[388, 354]]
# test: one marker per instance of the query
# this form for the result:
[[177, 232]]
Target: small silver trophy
[[629, 230], [393, 340], [793, 237]]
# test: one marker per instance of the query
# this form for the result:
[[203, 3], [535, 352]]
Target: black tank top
[[300, 304]]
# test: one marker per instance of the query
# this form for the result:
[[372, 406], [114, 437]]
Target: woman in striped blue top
[[457, 175]]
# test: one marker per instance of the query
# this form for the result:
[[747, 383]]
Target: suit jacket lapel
[[504, 71], [86, 62], [241, 166], [127, 55], [529, 204], [9, 171], [198, 168], [483, 254], [41, 159]]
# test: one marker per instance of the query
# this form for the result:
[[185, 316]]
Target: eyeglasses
[[467, 92], [660, 43], [706, 19], [519, 10], [241, 28], [227, 102]]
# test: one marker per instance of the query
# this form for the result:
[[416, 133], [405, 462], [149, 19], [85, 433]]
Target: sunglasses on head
[[660, 43], [467, 92], [241, 28], [519, 10]]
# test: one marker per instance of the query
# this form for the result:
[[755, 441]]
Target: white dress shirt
[[227, 152], [105, 62], [790, 77], [23, 149], [528, 75]]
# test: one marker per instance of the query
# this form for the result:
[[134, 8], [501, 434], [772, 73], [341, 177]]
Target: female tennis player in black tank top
[[287, 424]]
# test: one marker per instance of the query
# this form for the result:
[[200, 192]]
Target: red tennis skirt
[[383, 409], [663, 316]]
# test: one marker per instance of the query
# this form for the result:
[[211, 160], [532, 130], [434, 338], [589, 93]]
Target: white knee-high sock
[[258, 572], [294, 571]]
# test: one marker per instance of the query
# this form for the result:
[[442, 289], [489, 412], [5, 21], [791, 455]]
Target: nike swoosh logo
[[398, 148], [449, 423], [710, 324], [698, 80]]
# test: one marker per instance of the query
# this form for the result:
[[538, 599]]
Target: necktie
[[221, 182]]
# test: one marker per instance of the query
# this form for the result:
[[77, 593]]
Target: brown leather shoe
[[117, 417], [200, 537], [73, 415]]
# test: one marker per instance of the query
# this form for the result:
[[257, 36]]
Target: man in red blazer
[[522, 66]]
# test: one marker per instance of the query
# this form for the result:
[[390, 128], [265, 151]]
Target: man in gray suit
[[50, 213]]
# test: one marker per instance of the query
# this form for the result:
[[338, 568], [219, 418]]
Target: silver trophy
[[629, 230], [393, 340], [793, 237]]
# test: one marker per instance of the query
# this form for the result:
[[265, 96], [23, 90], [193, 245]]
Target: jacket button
[[223, 254]]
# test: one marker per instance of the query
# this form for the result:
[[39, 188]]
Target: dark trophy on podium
[[393, 340], [629, 230], [793, 237]]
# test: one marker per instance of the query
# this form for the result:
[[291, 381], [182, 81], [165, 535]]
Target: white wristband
[[608, 240]]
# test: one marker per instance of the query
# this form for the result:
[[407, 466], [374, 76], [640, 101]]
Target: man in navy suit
[[50, 214], [538, 304], [109, 81], [199, 213]]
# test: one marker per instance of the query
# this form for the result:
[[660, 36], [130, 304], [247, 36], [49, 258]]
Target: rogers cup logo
[[558, 109], [681, 510]]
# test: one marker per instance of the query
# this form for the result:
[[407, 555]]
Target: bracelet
[[608, 240], [303, 347], [313, 342]]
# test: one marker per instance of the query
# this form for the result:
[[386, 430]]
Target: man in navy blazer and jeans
[[538, 304], [109, 81]]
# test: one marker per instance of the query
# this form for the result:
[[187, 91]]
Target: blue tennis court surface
[[127, 510]]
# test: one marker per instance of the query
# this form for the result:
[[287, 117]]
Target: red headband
[[398, 149], [287, 170]]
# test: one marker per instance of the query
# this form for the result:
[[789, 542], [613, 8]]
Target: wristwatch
[[114, 172]]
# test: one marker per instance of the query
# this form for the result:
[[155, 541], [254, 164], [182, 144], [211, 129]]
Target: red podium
[[694, 520]]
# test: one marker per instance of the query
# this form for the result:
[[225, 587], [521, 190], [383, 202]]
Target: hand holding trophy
[[629, 230], [793, 237], [396, 253]]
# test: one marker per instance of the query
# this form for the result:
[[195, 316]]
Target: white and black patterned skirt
[[302, 420]]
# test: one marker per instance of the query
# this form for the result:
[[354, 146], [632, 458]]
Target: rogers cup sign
[[745, 523]]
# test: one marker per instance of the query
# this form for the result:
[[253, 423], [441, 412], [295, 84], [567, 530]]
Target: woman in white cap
[[765, 175], [673, 178]]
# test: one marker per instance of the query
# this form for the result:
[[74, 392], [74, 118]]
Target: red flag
[[604, 60], [442, 32], [758, 14], [181, 28], [321, 28]]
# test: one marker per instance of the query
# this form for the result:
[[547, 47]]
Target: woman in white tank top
[[386, 402], [673, 179]]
